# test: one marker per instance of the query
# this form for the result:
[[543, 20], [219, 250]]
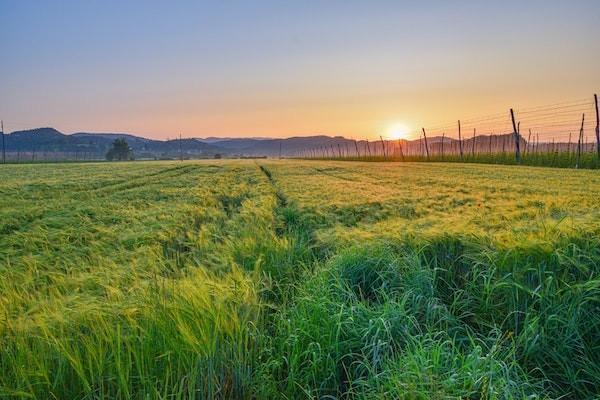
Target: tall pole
[[356, 147], [597, 126], [426, 146], [280, 141], [4, 148], [443, 140], [579, 142], [516, 134], [401, 151], [460, 141], [180, 149], [382, 147], [3, 143]]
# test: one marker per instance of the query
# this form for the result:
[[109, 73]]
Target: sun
[[397, 131]]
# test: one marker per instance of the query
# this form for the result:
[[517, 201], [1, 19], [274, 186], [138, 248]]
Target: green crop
[[298, 279]]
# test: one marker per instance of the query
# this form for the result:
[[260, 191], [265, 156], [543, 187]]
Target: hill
[[50, 140], [53, 143]]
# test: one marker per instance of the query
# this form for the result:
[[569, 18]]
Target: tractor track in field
[[134, 178], [135, 182], [281, 198], [294, 225], [333, 175]]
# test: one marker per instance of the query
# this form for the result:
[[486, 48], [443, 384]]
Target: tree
[[120, 151]]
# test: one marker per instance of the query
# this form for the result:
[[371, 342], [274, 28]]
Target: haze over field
[[281, 69]]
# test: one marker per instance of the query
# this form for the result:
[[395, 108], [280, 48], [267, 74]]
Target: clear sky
[[283, 68]]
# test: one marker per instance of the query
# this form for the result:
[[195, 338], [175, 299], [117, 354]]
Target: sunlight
[[397, 131]]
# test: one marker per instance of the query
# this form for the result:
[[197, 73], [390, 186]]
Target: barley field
[[257, 279]]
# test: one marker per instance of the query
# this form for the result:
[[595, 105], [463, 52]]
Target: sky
[[287, 68]]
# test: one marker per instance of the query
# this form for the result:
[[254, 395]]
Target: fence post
[[516, 133], [181, 149], [3, 148], [382, 147], [401, 151], [426, 145], [473, 145], [579, 142], [460, 141], [597, 127]]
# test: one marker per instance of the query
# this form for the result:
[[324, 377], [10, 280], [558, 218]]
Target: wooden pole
[[3, 147], [426, 145], [579, 142], [368, 148], [443, 139], [473, 144], [383, 147], [460, 141], [401, 151], [597, 127], [516, 133], [181, 149], [528, 140], [356, 146]]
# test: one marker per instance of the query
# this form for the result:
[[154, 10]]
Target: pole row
[[484, 148]]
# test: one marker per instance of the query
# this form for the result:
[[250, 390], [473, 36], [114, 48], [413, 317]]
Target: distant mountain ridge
[[50, 140], [95, 145]]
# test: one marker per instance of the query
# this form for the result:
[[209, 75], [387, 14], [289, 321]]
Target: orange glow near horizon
[[397, 131]]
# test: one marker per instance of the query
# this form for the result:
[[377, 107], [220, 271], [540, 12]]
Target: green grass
[[298, 279], [555, 159]]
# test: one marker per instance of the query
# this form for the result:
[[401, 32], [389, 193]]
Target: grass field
[[299, 279], [555, 159]]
